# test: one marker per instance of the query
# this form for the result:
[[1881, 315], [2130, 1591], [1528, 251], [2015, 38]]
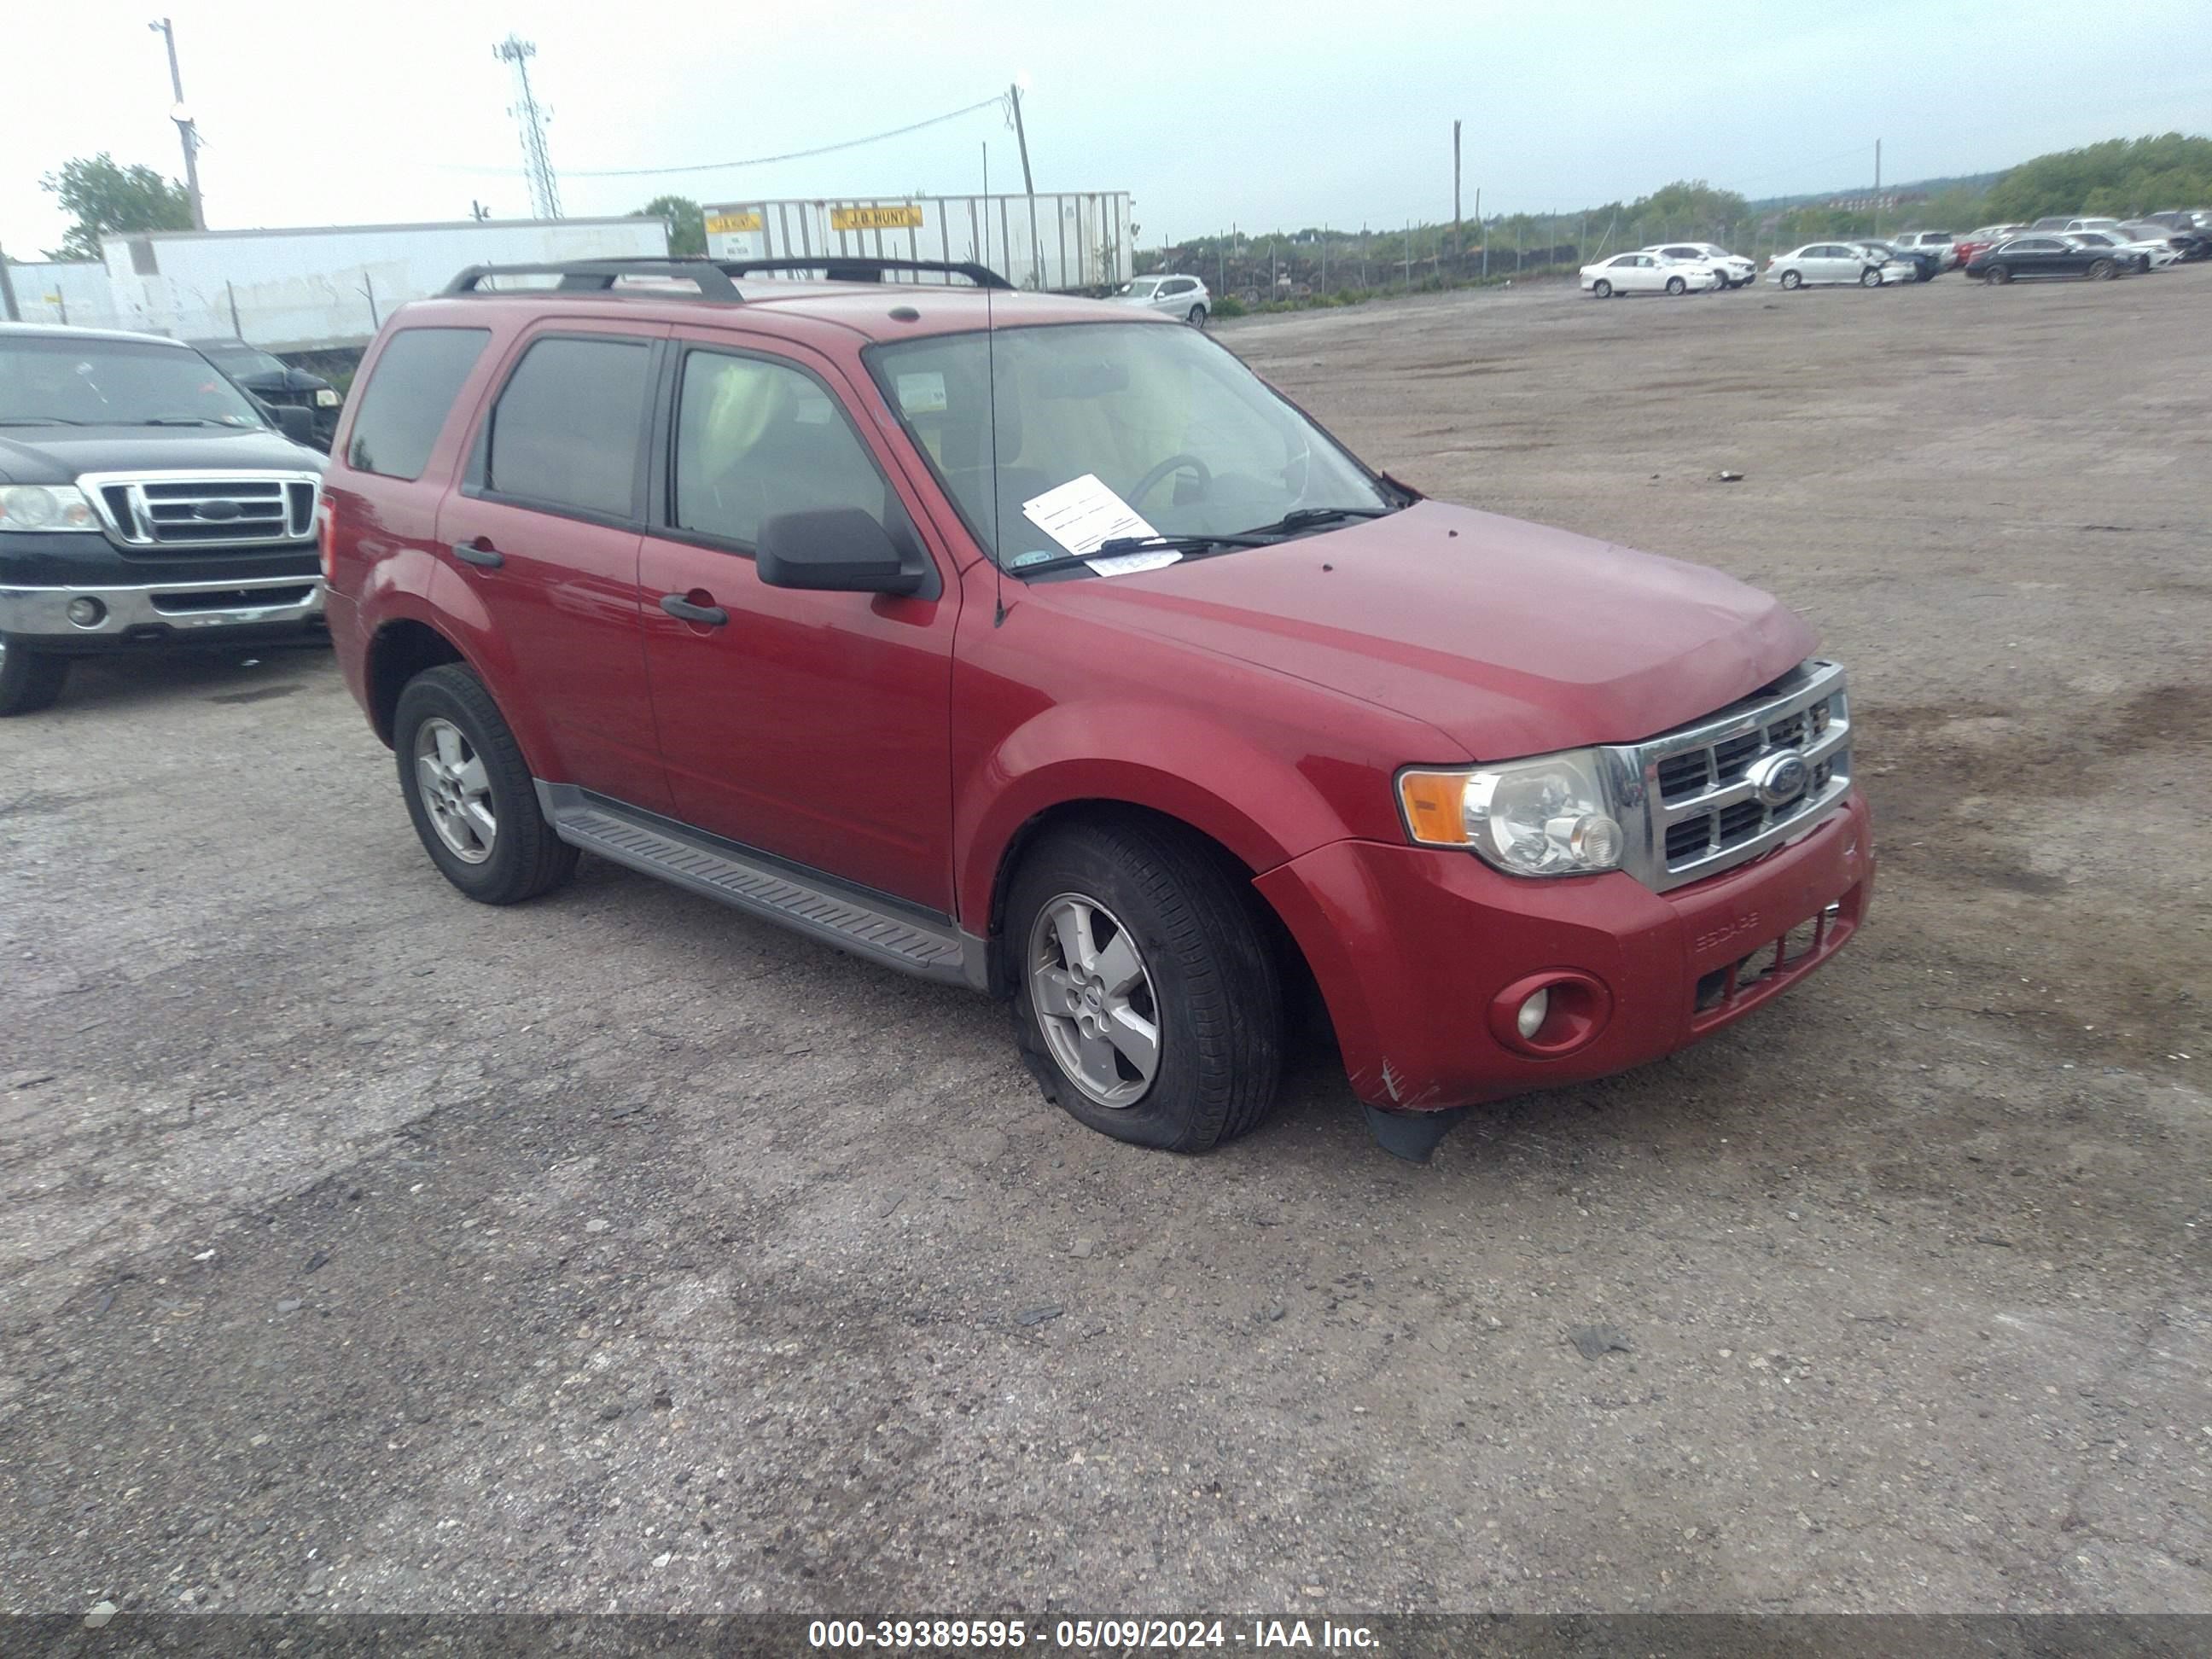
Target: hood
[[1509, 638], [58, 454]]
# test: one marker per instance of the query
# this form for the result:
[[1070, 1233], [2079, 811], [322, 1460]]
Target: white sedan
[[1735, 271], [1648, 273], [1831, 262]]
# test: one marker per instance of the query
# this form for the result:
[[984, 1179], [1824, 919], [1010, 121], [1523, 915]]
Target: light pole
[[187, 134]]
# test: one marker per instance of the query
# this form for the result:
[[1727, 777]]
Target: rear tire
[[29, 680], [1998, 275], [523, 857], [1210, 985], [1601, 290], [1791, 279], [1197, 318]]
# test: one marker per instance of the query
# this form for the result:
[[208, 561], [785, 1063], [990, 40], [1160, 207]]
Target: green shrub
[[1228, 305]]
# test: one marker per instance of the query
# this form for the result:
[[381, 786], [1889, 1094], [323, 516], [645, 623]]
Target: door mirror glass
[[836, 550]]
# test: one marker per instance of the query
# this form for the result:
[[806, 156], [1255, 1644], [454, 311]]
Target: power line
[[763, 160]]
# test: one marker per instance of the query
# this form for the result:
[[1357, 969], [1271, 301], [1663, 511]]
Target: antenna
[[536, 160], [991, 403]]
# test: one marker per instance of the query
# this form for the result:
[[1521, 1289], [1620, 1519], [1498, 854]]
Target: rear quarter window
[[409, 394]]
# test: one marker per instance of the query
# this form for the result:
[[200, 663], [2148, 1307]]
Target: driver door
[[812, 726]]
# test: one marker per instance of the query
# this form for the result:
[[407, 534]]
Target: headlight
[[45, 506], [1548, 815], [326, 397]]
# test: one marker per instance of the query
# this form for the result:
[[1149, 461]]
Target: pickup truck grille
[[1761, 772], [214, 511]]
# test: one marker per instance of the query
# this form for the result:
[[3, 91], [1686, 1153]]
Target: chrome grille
[[1705, 811], [204, 510]]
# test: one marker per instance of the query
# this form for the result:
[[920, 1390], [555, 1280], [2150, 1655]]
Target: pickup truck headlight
[[1546, 815], [45, 506], [326, 397]]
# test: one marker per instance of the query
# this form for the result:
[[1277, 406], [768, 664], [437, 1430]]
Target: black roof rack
[[868, 268], [599, 275], [713, 277]]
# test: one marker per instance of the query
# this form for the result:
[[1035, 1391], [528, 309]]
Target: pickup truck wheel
[[1146, 1000], [29, 680], [469, 791]]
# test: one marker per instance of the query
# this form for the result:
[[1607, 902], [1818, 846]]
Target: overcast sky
[[1209, 112]]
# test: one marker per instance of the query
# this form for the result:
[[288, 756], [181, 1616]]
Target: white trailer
[[1066, 241], [331, 287]]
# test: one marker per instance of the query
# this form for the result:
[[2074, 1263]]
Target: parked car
[[2161, 244], [1902, 265], [2130, 257], [145, 501], [796, 596], [276, 382], [2046, 255], [1184, 298], [1987, 236], [1818, 262], [1641, 272], [1939, 244], [1734, 269]]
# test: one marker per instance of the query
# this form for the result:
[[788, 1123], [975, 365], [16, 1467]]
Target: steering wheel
[[1173, 463]]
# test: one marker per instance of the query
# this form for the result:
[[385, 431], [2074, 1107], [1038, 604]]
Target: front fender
[[1263, 807]]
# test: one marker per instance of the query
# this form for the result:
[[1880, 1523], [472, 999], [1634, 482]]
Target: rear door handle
[[681, 608], [490, 558]]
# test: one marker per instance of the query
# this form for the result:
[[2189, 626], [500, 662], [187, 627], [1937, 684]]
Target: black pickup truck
[[275, 381], [146, 501]]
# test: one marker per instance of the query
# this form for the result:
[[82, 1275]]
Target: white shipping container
[[331, 287], [76, 292], [1062, 240]]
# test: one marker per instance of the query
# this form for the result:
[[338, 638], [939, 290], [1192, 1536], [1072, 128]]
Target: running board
[[869, 924]]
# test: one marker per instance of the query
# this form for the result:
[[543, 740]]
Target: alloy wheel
[[456, 790], [1094, 1000]]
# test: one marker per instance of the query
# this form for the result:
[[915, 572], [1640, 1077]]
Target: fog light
[[1530, 1019], [87, 612]]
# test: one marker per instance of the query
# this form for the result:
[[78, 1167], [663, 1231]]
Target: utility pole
[[1459, 244], [536, 160], [188, 133], [1029, 189], [1877, 186], [7, 291], [1482, 233]]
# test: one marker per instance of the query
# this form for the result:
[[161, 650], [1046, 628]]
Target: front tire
[[2103, 270], [29, 680], [469, 791], [1677, 287], [1146, 1000], [1869, 278]]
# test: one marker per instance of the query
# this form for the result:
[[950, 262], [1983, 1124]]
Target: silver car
[[1175, 295]]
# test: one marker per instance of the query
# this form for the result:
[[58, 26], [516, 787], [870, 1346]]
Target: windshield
[[1172, 422], [241, 360], [1142, 288], [99, 382]]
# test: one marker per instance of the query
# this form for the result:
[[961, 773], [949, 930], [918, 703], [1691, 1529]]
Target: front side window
[[566, 430], [84, 379], [755, 439], [1170, 422], [409, 394]]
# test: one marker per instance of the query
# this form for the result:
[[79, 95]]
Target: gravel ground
[[362, 1249]]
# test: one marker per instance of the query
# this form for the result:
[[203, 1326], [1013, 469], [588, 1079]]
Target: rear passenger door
[[812, 726], [544, 532]]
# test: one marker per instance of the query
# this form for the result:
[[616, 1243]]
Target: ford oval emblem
[[1779, 778], [221, 507]]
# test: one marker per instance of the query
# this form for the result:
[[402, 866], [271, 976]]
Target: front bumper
[[176, 613], [1411, 947]]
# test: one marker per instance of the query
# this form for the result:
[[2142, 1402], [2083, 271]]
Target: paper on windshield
[[1083, 513]]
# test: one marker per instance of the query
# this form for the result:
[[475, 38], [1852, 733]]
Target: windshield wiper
[[41, 420], [1306, 518], [182, 420], [1118, 545]]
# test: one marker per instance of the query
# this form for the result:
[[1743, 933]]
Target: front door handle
[[490, 558], [681, 608]]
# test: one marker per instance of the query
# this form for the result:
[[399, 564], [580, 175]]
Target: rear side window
[[404, 406], [566, 431]]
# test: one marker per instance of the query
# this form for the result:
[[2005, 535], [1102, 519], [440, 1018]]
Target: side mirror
[[835, 549], [295, 422]]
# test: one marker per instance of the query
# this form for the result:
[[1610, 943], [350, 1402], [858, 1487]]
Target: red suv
[[1038, 646]]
